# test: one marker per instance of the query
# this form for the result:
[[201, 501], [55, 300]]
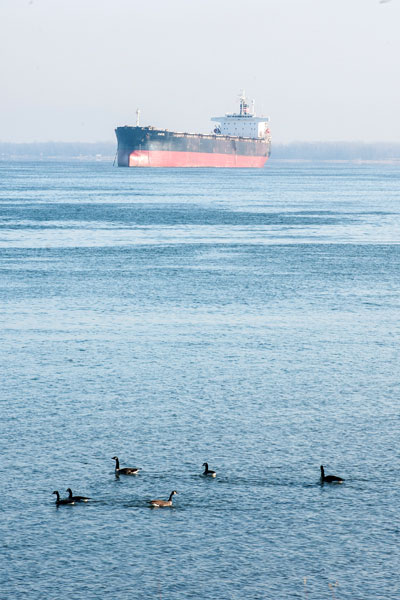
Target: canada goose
[[161, 503], [76, 498], [126, 470], [62, 501], [329, 478], [208, 471]]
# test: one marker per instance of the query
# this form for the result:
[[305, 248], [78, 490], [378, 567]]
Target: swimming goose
[[62, 501], [77, 498], [208, 471], [329, 478], [124, 471], [161, 503]]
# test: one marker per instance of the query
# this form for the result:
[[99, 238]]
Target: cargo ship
[[239, 140]]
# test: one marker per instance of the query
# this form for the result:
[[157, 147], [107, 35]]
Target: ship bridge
[[244, 123]]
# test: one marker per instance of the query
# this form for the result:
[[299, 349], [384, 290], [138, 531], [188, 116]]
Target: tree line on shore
[[292, 151], [337, 151]]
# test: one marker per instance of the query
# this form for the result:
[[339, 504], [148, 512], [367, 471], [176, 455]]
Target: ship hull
[[148, 147]]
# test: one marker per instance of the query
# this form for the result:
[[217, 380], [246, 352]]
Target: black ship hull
[[149, 147]]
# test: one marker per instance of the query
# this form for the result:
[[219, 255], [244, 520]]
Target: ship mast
[[244, 107], [137, 117]]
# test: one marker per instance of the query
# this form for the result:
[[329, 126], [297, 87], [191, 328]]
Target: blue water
[[245, 318]]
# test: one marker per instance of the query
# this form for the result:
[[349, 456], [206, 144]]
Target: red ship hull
[[149, 147], [168, 158]]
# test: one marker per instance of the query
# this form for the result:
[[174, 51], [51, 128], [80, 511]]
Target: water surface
[[248, 318]]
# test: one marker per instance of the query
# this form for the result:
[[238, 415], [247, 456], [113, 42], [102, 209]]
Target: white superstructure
[[243, 124]]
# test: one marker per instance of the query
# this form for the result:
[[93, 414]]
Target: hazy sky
[[72, 70]]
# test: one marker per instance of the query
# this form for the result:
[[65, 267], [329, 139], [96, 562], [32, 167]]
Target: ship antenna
[[242, 102], [137, 117]]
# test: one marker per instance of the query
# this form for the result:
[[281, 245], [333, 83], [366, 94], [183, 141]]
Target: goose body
[[208, 472], [329, 478], [62, 500], [162, 503], [76, 498], [125, 470]]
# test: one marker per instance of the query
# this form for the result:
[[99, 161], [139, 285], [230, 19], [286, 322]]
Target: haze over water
[[248, 318]]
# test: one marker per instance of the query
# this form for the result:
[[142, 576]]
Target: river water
[[247, 318]]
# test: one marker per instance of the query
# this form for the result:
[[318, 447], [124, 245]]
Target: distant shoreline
[[288, 161], [379, 152]]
